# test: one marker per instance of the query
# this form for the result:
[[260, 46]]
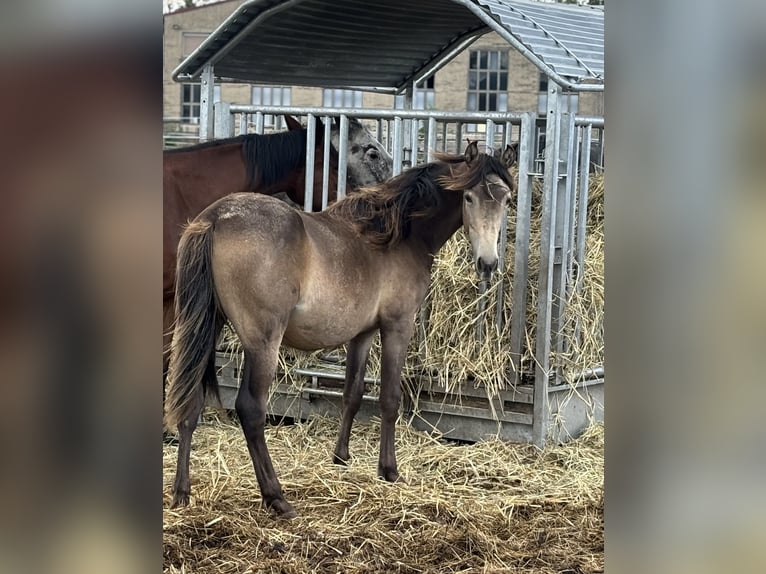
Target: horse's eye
[[468, 199], [372, 154]]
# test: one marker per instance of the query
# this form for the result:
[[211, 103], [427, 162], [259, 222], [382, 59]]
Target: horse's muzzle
[[486, 267]]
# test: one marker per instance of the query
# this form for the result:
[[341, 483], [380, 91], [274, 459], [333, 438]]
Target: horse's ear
[[508, 157], [471, 152], [292, 123]]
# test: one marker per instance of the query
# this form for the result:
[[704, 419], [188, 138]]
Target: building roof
[[382, 45]]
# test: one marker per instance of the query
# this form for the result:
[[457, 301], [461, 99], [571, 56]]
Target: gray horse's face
[[368, 161], [484, 209]]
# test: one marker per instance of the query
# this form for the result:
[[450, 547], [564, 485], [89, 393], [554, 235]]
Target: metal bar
[[431, 147], [489, 135], [259, 123], [331, 375], [564, 197], [342, 155], [375, 113], [206, 112], [414, 142], [407, 155], [224, 126], [331, 393], [444, 136], [582, 220], [379, 130], [458, 136], [576, 179], [397, 151], [521, 259], [326, 161], [308, 198], [242, 123], [547, 253]]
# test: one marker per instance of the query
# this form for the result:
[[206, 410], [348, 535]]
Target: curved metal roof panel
[[384, 44]]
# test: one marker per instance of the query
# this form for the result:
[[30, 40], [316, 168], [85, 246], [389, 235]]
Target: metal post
[[326, 161], [523, 225], [308, 200], [342, 153], [242, 124], [259, 123], [458, 137], [500, 311], [431, 147], [408, 127], [564, 198], [547, 256], [224, 126], [397, 151], [206, 113], [582, 218]]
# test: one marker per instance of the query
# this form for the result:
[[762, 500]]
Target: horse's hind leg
[[356, 364], [182, 485], [251, 409]]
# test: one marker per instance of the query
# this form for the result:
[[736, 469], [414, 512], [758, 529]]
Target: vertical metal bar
[[564, 196], [408, 127], [308, 198], [242, 124], [206, 113], [259, 123], [573, 180], [458, 137], [490, 136], [326, 161], [414, 142], [582, 219], [523, 225], [224, 126], [444, 136], [379, 131], [431, 147], [540, 407], [502, 248], [397, 143], [342, 155]]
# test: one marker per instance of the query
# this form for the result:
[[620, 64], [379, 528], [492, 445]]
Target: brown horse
[[196, 176], [320, 280]]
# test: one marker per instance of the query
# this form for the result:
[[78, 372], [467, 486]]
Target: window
[[272, 96], [488, 80], [191, 95], [334, 98], [190, 41], [423, 98]]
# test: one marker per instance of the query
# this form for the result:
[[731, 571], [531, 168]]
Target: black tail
[[198, 321]]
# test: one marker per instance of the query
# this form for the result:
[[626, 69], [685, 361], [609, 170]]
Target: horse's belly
[[314, 327]]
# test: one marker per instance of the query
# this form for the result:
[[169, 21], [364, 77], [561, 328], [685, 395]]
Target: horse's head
[[487, 194], [368, 161]]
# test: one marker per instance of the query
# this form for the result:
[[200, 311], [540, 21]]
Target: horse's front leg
[[356, 365], [394, 341]]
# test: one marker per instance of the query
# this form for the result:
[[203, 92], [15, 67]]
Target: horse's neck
[[431, 233]]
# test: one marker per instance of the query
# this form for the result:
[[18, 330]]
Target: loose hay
[[488, 507]]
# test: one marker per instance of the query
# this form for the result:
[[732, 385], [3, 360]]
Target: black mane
[[268, 158]]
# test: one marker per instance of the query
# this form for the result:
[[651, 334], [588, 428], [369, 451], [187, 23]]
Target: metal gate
[[536, 408]]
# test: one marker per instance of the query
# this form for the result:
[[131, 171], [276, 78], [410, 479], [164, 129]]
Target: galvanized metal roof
[[382, 45]]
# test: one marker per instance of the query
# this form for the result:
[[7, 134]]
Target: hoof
[[391, 476], [281, 508], [341, 460], [180, 499]]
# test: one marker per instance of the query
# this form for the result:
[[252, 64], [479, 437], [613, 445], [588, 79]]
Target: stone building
[[488, 75]]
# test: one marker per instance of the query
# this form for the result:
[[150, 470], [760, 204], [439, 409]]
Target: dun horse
[[196, 176], [319, 280]]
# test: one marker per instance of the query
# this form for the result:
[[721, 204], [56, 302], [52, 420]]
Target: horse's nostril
[[486, 267]]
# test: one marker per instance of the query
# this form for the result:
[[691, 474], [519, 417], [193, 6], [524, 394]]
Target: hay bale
[[487, 507]]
